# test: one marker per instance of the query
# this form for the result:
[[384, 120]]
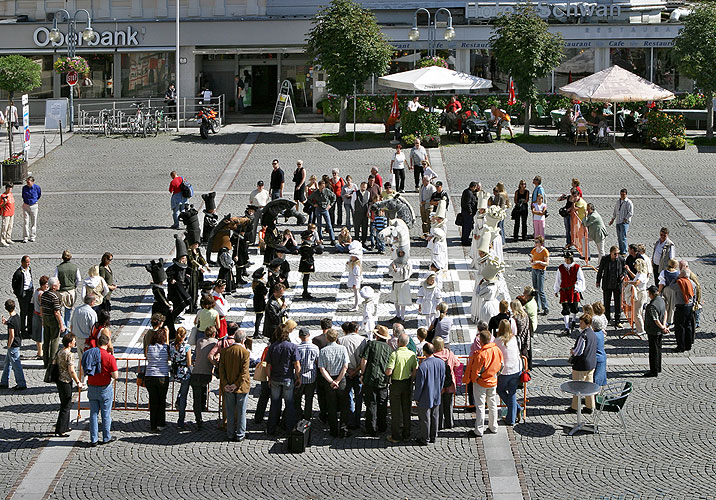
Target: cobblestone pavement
[[94, 201]]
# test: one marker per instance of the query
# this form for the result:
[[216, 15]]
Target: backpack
[[187, 191]]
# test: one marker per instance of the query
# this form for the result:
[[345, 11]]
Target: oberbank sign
[[546, 10], [120, 38]]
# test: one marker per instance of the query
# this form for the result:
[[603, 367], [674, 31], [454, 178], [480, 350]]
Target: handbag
[[52, 372], [525, 376], [515, 214], [192, 336], [564, 212], [459, 219], [260, 374]]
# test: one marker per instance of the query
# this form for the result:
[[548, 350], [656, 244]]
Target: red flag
[[511, 100], [394, 112], [569, 78]]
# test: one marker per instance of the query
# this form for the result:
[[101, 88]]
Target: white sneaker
[[3, 244], [24, 240], [32, 239]]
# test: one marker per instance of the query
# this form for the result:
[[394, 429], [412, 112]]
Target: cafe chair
[[581, 135], [612, 399]]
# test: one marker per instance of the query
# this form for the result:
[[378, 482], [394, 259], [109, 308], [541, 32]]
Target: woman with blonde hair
[[311, 187], [445, 418], [640, 282], [502, 200], [95, 284], [355, 274], [521, 328], [509, 378]]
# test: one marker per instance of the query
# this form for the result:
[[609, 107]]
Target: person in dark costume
[[272, 239], [211, 218], [178, 281], [276, 310], [197, 268], [307, 263], [274, 274], [190, 218], [226, 269], [260, 293], [285, 268], [161, 305], [241, 255]]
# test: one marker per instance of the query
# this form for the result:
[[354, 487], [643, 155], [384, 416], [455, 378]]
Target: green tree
[[347, 42], [695, 51], [524, 48], [18, 74]]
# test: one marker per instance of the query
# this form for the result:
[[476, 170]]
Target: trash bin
[[14, 172]]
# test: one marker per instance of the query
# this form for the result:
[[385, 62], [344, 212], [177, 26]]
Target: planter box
[[14, 173]]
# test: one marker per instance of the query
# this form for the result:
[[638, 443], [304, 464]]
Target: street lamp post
[[448, 34], [71, 39]]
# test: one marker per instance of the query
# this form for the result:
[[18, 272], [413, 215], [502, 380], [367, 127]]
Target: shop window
[[146, 74], [98, 83]]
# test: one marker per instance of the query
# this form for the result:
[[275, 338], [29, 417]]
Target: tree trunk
[[343, 116], [9, 126], [709, 114], [528, 115]]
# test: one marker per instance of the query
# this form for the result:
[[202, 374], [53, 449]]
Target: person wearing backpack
[[179, 196]]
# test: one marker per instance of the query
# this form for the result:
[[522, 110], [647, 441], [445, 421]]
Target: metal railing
[[120, 116]]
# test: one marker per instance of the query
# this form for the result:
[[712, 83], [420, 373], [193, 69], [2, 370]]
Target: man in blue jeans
[[623, 212], [101, 367], [235, 381], [283, 367], [322, 200], [178, 201], [12, 357]]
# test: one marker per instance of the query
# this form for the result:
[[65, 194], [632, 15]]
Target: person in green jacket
[[596, 229]]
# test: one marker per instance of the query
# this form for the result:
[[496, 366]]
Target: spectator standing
[[83, 321], [336, 184], [258, 198], [277, 181], [322, 201], [284, 371], [445, 417], [377, 177], [12, 356], [70, 278], [178, 200], [623, 212], [333, 365], [23, 288], [539, 259], [584, 360], [52, 324], [7, 211], [99, 388], [170, 100], [361, 216], [397, 168], [180, 356], [481, 371], [566, 213], [683, 293], [401, 368], [664, 250], [520, 322], [418, 154], [65, 360], [31, 194], [610, 275], [308, 357], [201, 372], [509, 377], [37, 314], [425, 194], [348, 200], [157, 379], [698, 299], [96, 285], [355, 345], [539, 215], [374, 361], [236, 383], [655, 326], [537, 182], [299, 180], [429, 382], [521, 209], [596, 229], [640, 282], [468, 209], [105, 272], [599, 325]]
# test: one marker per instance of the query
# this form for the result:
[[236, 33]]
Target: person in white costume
[[485, 301], [429, 296], [370, 309], [355, 271], [400, 271], [438, 245]]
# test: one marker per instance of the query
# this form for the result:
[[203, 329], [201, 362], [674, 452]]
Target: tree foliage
[[525, 49], [695, 51], [347, 42], [19, 74]]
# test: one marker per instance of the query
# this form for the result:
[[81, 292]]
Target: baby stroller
[[476, 130]]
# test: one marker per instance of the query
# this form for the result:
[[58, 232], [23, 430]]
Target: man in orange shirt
[[7, 211], [482, 369]]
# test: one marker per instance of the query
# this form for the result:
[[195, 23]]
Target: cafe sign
[[119, 38]]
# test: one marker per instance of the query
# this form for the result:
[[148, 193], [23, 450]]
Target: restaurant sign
[[119, 38]]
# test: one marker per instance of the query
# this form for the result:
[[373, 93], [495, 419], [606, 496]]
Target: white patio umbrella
[[433, 79], [615, 84]]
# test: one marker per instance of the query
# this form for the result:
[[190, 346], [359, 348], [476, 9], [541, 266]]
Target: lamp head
[[414, 33], [88, 33], [55, 35], [449, 33]]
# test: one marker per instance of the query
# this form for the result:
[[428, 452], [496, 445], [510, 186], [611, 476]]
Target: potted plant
[[67, 64], [14, 169]]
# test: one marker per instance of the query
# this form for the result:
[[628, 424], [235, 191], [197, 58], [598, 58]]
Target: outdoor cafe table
[[580, 389]]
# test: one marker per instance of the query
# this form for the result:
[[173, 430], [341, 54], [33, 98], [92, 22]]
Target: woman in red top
[[7, 211], [453, 106], [336, 184]]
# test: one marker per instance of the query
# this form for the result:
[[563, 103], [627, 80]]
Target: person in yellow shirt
[[401, 369], [539, 258]]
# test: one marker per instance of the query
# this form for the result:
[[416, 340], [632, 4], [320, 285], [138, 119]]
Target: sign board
[[283, 104], [72, 78], [26, 123], [56, 114]]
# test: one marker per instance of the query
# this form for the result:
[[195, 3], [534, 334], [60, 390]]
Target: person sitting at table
[[414, 105], [584, 360], [630, 128], [501, 120], [453, 106], [566, 126]]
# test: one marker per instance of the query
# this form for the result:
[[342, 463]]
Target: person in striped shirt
[[380, 222]]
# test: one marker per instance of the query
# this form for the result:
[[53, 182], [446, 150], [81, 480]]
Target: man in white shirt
[[355, 344], [418, 154], [414, 105], [11, 114], [83, 319], [623, 212], [206, 95], [259, 197]]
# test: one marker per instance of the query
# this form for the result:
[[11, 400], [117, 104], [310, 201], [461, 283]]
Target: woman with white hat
[[438, 245], [355, 272], [370, 309], [429, 296]]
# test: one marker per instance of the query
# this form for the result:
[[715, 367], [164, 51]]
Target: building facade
[[133, 54]]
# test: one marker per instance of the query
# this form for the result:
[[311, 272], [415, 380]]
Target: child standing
[[370, 309], [422, 334], [12, 357], [260, 291], [7, 211], [400, 270], [355, 273], [380, 222], [429, 296], [539, 212], [306, 264]]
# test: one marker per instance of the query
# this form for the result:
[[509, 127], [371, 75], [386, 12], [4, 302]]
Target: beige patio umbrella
[[615, 84]]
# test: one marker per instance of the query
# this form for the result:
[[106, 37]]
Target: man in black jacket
[[275, 310], [611, 274], [23, 289], [360, 213], [468, 209]]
